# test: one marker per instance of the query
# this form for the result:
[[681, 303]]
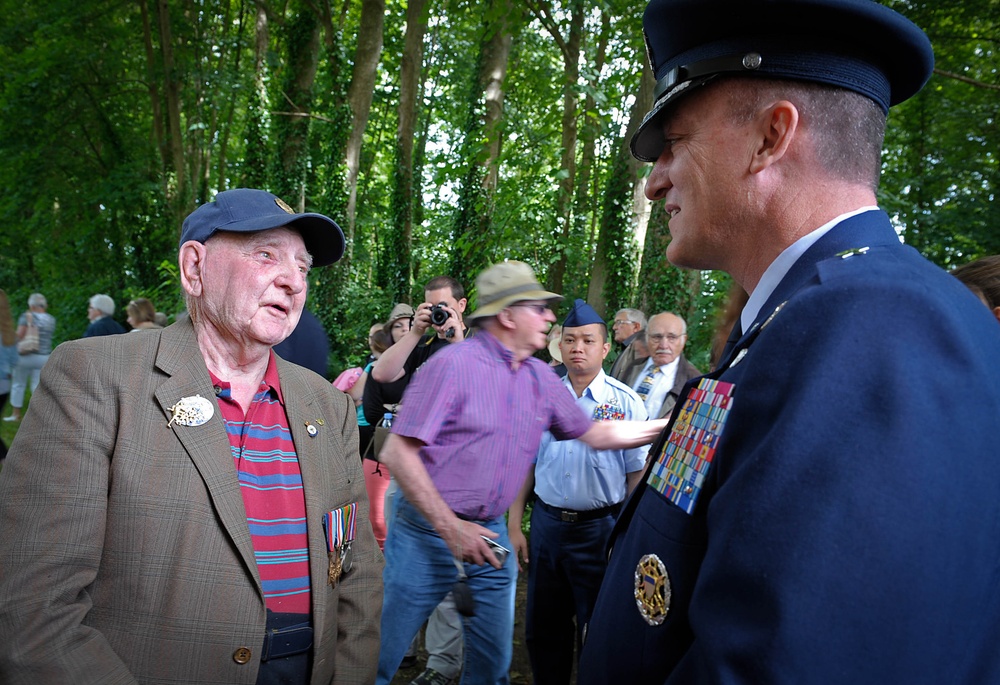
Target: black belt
[[288, 641], [570, 516]]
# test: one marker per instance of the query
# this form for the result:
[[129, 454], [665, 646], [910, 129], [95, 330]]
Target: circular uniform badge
[[652, 589]]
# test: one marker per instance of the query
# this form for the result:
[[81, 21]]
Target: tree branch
[[966, 79], [542, 10], [310, 115]]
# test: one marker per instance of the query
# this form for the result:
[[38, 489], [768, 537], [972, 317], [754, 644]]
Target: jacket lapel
[[207, 445], [303, 410]]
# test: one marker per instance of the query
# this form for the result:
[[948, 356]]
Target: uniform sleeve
[[53, 504], [635, 458]]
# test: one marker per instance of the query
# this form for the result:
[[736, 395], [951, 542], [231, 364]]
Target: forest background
[[443, 135]]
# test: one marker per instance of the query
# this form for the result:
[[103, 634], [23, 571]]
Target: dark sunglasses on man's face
[[538, 307]]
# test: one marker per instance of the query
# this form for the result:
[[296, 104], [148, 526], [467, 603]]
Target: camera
[[439, 314], [499, 550]]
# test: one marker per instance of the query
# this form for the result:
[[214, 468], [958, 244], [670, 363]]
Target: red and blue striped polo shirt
[[271, 483]]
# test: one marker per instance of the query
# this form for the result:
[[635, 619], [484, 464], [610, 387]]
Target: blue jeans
[[419, 572]]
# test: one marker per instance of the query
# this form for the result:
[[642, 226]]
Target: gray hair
[[103, 303], [37, 300], [635, 316], [847, 127]]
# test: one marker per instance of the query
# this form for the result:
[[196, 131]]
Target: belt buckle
[[569, 516]]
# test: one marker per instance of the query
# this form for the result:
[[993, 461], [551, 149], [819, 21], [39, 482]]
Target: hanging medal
[[339, 528]]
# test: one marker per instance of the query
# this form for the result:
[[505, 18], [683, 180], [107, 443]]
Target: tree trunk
[[585, 209], [159, 136], [258, 120], [496, 52], [567, 179], [398, 246], [613, 280], [302, 43], [172, 92], [360, 95], [473, 223]]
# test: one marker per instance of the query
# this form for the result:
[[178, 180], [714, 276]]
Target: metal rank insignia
[[652, 589], [191, 411]]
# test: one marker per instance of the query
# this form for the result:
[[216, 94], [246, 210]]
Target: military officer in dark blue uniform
[[823, 507]]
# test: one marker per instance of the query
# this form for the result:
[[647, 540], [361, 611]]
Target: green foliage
[[940, 167], [93, 196], [618, 236], [353, 308]]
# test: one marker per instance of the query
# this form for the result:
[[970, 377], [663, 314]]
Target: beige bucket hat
[[503, 284]]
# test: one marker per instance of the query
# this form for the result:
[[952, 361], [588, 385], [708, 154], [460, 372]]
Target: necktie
[[647, 383]]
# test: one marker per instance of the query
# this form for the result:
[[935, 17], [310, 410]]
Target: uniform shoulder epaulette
[[853, 252]]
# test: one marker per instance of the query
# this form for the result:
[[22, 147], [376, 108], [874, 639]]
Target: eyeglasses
[[621, 322], [669, 337], [538, 307]]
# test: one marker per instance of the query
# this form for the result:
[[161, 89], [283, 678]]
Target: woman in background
[[377, 398], [141, 314], [31, 364]]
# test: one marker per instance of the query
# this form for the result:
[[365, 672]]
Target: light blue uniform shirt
[[572, 475]]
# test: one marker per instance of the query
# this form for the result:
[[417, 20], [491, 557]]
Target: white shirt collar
[[596, 387], [784, 262]]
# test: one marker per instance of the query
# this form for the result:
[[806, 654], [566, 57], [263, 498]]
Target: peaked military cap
[[859, 45]]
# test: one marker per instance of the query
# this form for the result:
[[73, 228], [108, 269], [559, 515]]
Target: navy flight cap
[[859, 45], [245, 210], [582, 314]]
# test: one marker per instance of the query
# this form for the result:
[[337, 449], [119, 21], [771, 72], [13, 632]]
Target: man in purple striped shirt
[[471, 423]]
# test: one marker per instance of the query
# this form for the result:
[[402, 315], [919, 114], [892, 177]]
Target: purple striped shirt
[[481, 422]]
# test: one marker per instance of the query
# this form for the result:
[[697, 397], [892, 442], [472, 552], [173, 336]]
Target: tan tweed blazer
[[125, 554]]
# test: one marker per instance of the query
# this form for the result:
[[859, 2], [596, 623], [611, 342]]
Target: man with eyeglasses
[[660, 378], [466, 436], [629, 325]]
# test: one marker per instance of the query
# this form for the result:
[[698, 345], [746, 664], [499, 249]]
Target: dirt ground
[[520, 667]]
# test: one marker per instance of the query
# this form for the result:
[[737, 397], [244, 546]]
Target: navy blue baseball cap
[[245, 210], [582, 314], [859, 45]]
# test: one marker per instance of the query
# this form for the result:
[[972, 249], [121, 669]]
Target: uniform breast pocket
[[652, 573]]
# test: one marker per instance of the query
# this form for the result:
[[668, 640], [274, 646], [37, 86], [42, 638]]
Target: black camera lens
[[439, 315]]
